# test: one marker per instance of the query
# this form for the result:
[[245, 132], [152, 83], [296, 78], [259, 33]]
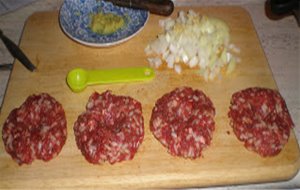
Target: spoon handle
[[118, 75]]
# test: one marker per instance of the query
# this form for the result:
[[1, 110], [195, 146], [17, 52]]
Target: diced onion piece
[[177, 69], [231, 66], [170, 60], [234, 48], [193, 62], [155, 62]]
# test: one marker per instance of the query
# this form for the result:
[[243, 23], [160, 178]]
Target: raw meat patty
[[111, 129], [260, 118], [35, 130], [183, 121]]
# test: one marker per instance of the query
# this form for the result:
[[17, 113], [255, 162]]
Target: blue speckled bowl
[[74, 19]]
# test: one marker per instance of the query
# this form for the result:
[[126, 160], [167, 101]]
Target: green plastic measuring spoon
[[78, 78]]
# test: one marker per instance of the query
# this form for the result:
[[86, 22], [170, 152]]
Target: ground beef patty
[[111, 129], [183, 121], [260, 118], [35, 130]]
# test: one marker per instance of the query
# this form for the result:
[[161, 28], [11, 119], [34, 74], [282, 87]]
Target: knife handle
[[284, 7], [16, 52], [160, 7]]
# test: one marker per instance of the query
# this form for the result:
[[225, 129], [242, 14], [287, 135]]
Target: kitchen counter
[[280, 40]]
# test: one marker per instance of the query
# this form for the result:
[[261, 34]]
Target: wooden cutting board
[[225, 162]]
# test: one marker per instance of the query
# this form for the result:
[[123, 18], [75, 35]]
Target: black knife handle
[[16, 52], [163, 7], [284, 6], [160, 7]]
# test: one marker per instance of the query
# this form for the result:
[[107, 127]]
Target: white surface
[[280, 40], [11, 5]]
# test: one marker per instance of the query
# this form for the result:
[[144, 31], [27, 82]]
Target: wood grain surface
[[225, 162]]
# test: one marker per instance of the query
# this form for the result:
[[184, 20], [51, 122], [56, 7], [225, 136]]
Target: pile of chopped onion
[[195, 41]]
